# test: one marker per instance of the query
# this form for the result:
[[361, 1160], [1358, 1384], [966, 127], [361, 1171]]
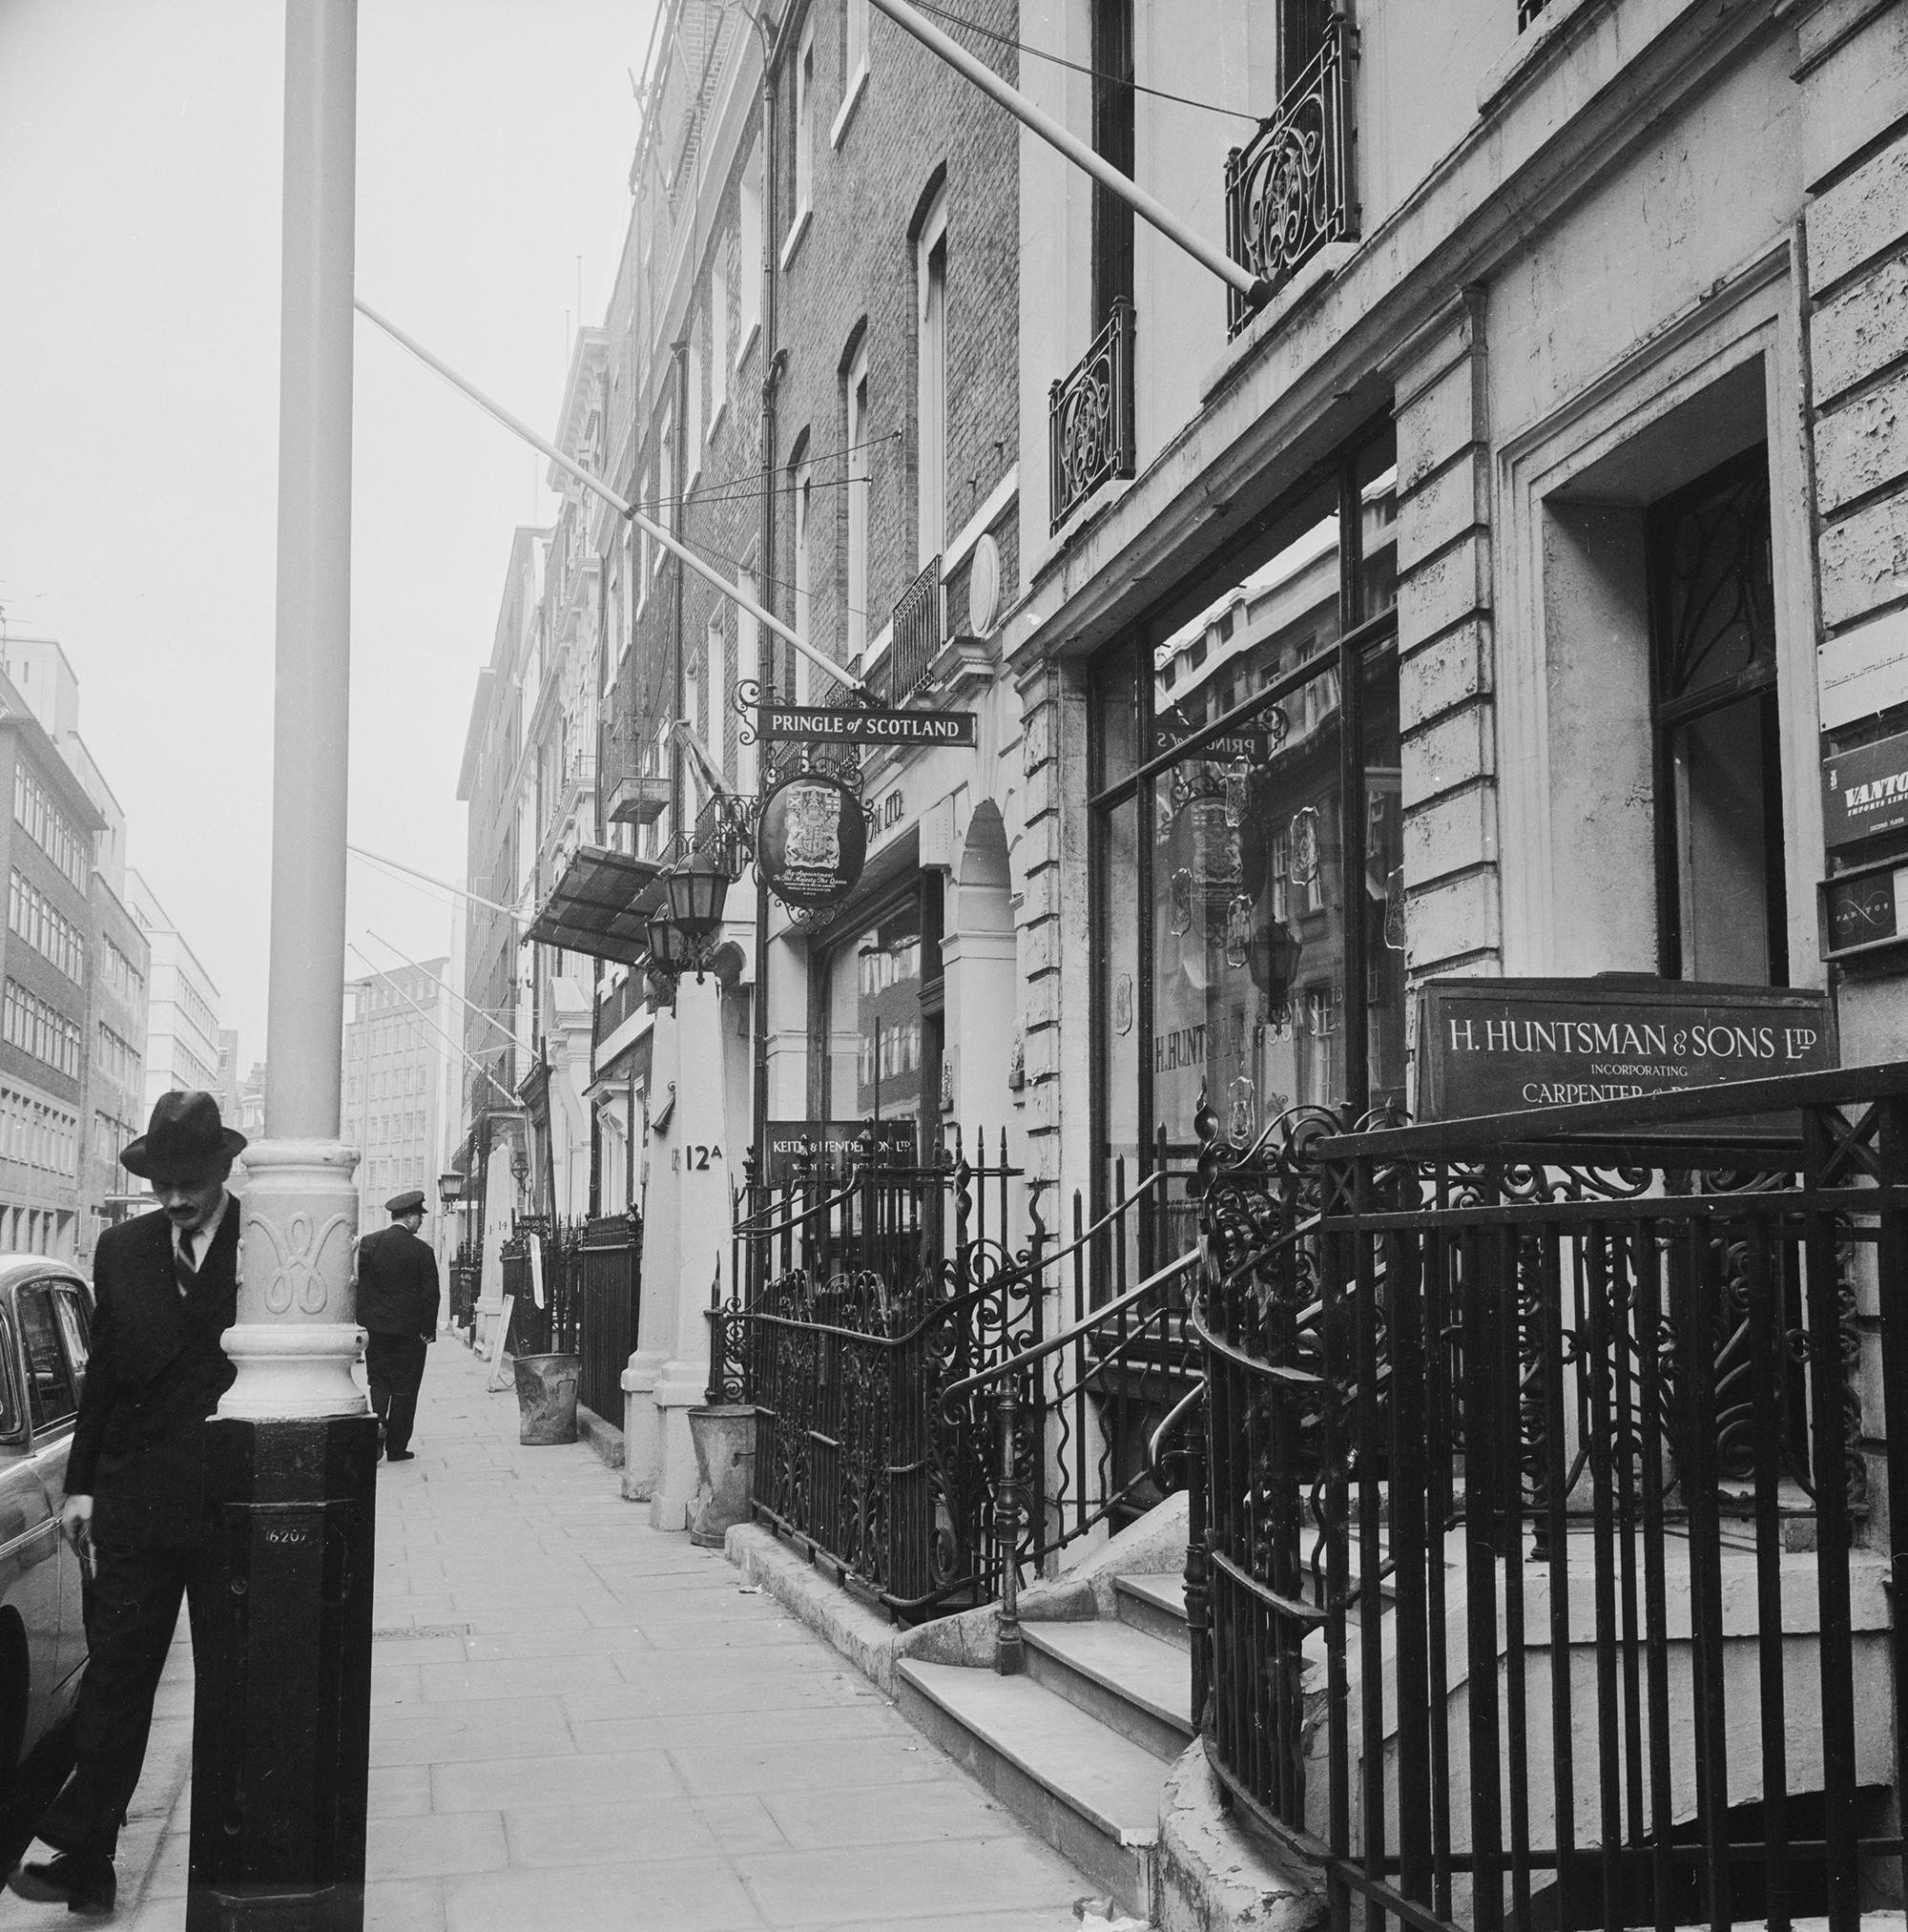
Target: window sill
[[1534, 47], [715, 416], [857, 86], [746, 346], [796, 231]]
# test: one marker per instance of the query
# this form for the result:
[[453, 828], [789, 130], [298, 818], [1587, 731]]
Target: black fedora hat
[[184, 1140]]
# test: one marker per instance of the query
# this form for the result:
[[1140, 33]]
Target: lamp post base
[[282, 1662]]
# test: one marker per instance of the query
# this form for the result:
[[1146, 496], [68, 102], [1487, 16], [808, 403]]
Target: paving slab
[[580, 1720]]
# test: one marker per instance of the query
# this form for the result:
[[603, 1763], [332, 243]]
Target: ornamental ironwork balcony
[[1289, 191], [1089, 418], [915, 640]]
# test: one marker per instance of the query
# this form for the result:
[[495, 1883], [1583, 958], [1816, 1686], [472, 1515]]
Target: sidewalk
[[579, 1720]]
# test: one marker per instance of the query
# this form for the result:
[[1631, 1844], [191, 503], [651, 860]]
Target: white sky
[[139, 184]]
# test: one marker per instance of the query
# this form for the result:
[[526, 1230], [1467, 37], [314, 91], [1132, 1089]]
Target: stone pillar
[[277, 1811], [685, 1238], [1854, 75], [1445, 646]]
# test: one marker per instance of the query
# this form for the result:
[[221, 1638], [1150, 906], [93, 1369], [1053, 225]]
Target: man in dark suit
[[397, 1307], [165, 1288]]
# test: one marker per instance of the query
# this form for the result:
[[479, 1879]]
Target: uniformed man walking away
[[165, 1288], [397, 1305]]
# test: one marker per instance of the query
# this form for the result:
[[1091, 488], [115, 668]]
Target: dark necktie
[[182, 1266]]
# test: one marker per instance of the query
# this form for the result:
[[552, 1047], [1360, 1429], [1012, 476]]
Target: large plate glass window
[[1249, 917], [882, 1018]]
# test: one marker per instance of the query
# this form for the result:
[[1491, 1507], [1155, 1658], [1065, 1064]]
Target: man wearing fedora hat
[[397, 1307], [165, 1288]]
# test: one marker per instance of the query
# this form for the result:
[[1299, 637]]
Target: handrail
[[748, 1225], [1170, 1426], [1072, 1332], [1113, 1214]]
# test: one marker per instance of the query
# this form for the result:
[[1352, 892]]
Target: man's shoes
[[399, 1455], [86, 1882]]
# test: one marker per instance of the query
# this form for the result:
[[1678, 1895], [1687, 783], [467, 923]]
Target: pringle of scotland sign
[[812, 841], [1865, 791], [1502, 1046], [815, 724]]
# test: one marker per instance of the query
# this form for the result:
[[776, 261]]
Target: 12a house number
[[693, 1159]]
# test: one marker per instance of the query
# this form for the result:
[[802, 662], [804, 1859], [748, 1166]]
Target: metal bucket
[[546, 1398]]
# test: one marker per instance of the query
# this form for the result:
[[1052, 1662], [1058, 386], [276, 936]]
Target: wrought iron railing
[[1090, 419], [591, 1302], [915, 640], [1584, 1385], [609, 1262], [1289, 191], [861, 1296]]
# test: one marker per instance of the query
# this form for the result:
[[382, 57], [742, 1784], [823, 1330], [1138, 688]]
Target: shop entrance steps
[[1078, 1747]]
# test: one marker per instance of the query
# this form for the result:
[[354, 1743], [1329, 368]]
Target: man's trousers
[[394, 1367], [131, 1610]]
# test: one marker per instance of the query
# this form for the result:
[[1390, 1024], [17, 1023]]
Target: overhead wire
[[1077, 67]]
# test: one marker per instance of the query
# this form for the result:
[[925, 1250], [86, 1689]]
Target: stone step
[[1092, 1794], [1155, 1605], [1136, 1685]]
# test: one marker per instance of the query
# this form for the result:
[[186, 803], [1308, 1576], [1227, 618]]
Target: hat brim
[[135, 1159]]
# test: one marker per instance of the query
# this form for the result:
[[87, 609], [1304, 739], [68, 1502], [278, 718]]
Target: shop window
[[1248, 851], [882, 1018], [1721, 910]]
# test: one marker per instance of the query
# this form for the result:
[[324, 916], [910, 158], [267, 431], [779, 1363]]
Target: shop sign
[[1863, 671], [833, 1144], [1864, 909], [1865, 791], [812, 841], [1501, 1046], [817, 724]]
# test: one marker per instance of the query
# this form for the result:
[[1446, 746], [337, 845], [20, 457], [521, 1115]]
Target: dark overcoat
[[397, 1283], [154, 1374]]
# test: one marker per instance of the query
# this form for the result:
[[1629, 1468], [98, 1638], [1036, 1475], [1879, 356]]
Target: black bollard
[[282, 1716]]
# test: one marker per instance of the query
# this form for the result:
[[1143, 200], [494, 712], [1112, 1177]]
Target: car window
[[49, 1389], [76, 1329], [10, 1394]]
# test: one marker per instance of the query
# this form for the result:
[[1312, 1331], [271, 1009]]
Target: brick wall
[[914, 126]]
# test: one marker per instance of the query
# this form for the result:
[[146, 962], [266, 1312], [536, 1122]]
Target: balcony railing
[[917, 634], [635, 777], [1289, 191], [1089, 418]]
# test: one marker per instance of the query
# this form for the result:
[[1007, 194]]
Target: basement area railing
[[588, 1302], [1546, 1581]]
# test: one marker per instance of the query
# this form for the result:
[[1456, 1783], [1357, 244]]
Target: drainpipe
[[678, 792], [772, 50]]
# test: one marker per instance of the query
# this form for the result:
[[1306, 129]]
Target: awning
[[599, 906]]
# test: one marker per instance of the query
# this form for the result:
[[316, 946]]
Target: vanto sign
[[1865, 791]]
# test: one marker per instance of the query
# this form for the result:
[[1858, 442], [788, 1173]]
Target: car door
[[73, 1308], [53, 1401], [30, 1580]]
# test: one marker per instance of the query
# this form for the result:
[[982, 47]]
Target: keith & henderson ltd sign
[[1502, 1046]]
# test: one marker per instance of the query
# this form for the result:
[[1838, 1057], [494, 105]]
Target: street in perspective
[[970, 991]]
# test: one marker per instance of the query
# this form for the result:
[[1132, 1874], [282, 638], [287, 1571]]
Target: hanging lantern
[[697, 890]]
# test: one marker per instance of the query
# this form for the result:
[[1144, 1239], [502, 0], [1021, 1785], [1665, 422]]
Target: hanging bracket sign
[[812, 840], [820, 724]]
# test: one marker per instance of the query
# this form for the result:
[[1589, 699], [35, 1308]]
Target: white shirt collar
[[193, 1246]]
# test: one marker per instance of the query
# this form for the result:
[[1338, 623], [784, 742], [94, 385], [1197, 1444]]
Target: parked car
[[45, 1322]]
